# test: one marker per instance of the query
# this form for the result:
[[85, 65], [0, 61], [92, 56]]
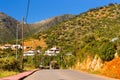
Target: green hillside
[[47, 23], [95, 32], [7, 27]]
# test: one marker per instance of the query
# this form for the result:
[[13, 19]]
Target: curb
[[27, 75], [19, 76]]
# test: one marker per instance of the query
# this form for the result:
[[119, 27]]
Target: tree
[[107, 51], [38, 47]]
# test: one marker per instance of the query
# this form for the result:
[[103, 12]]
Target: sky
[[44, 9]]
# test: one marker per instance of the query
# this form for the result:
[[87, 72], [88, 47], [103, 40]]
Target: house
[[52, 52], [6, 46], [31, 52], [28, 54], [16, 46]]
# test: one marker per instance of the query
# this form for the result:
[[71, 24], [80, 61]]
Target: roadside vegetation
[[89, 37], [8, 63], [94, 34]]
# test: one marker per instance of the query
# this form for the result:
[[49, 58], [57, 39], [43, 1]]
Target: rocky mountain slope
[[47, 23], [8, 26]]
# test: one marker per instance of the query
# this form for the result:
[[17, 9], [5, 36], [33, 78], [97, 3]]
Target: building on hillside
[[6, 46], [31, 52], [52, 52], [16, 46]]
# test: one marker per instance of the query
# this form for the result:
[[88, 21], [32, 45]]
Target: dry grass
[[11, 73], [7, 73], [33, 43], [29, 67]]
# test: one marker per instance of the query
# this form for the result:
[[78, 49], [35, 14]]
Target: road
[[63, 75]]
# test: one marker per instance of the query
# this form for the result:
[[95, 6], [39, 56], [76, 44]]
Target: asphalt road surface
[[63, 75]]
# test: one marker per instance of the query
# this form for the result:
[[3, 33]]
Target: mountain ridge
[[8, 26], [47, 23]]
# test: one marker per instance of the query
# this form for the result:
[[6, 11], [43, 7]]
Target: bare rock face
[[95, 64], [92, 64], [116, 55]]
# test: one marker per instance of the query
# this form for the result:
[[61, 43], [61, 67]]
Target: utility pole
[[22, 44], [17, 42], [76, 42]]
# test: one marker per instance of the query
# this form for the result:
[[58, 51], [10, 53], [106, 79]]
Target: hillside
[[93, 26], [93, 37], [7, 27], [93, 34], [47, 23]]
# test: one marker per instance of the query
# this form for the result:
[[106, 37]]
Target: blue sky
[[43, 9]]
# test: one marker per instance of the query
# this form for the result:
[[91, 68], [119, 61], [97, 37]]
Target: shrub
[[107, 51], [10, 64]]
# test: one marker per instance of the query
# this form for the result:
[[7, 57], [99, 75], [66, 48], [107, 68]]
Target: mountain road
[[64, 75]]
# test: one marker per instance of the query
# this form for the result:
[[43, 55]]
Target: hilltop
[[48, 23], [8, 26]]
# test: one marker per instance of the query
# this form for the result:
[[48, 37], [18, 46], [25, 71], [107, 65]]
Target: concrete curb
[[19, 76], [27, 75]]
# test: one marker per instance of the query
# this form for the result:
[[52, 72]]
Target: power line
[[27, 10], [27, 14], [26, 17]]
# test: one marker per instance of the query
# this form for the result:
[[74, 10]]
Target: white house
[[6, 46], [52, 52], [31, 52], [16, 46]]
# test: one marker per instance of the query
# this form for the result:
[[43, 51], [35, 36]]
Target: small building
[[52, 52], [31, 52], [16, 46], [6, 46]]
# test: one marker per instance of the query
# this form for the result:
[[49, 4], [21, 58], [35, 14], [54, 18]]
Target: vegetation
[[8, 26], [9, 65], [96, 32], [107, 52], [60, 61], [89, 33], [8, 61], [7, 73], [6, 31]]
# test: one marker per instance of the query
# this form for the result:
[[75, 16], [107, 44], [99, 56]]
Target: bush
[[107, 51], [10, 64], [118, 51]]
